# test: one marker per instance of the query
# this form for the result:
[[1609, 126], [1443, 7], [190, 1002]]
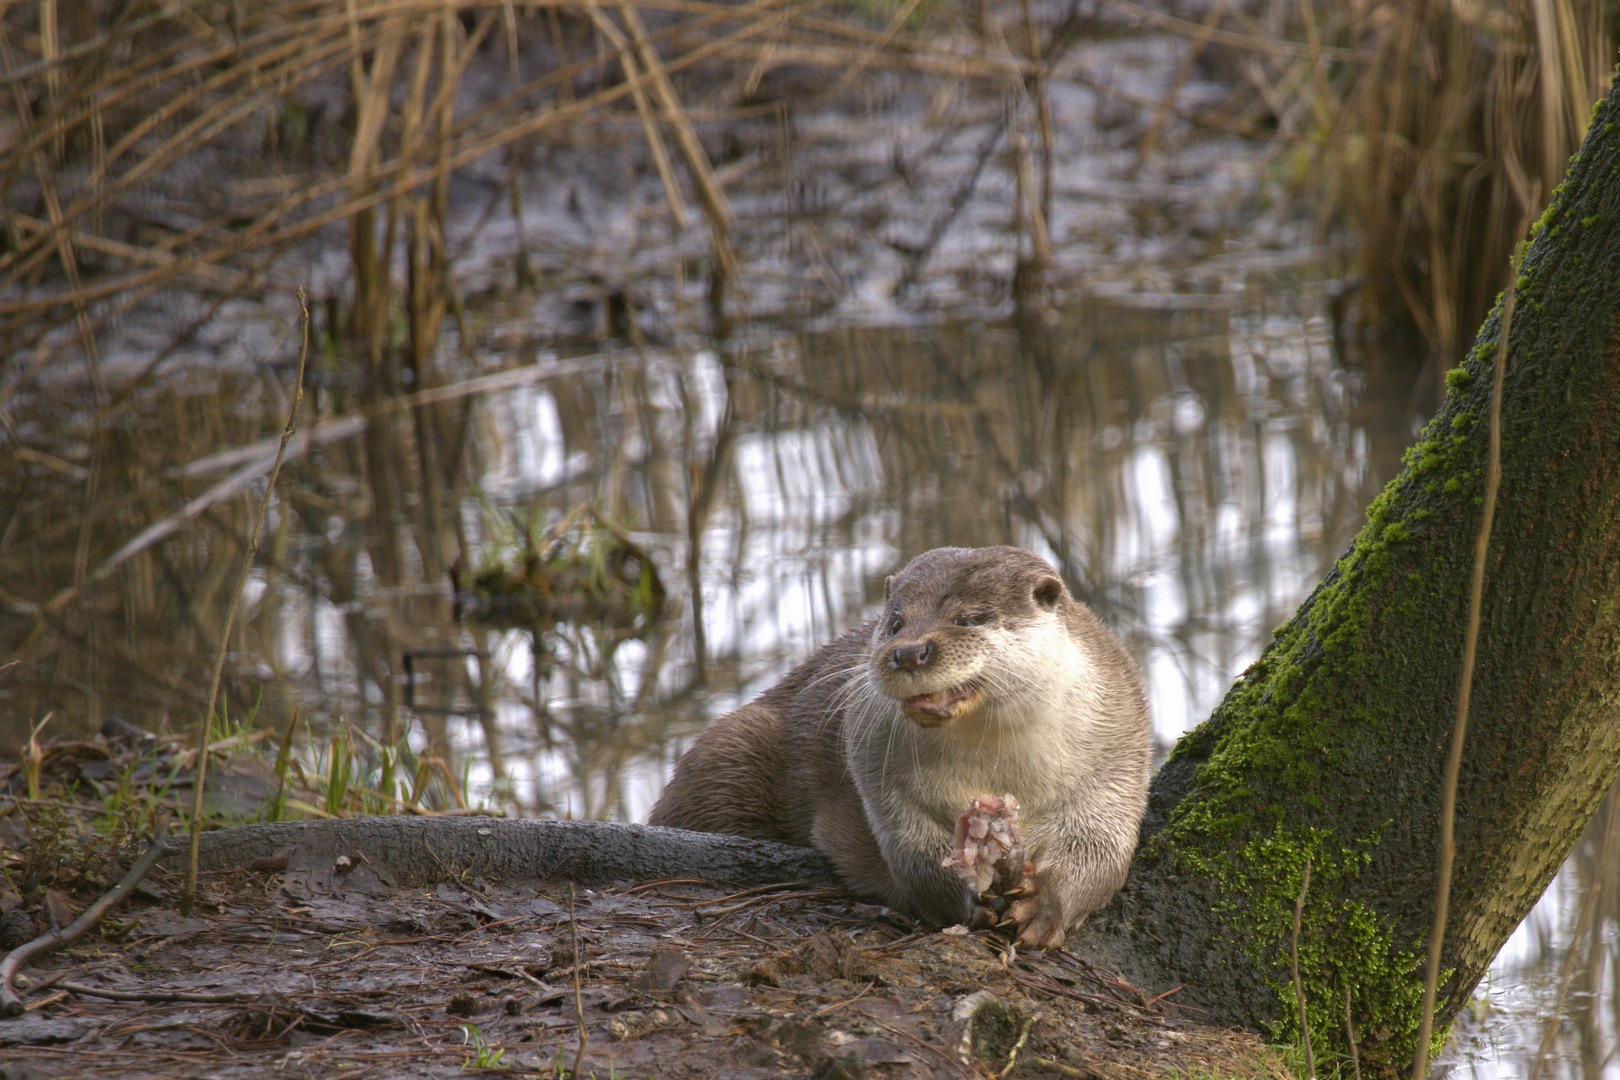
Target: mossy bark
[[1332, 747]]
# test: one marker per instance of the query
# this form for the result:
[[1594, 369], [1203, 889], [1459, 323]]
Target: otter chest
[[945, 788]]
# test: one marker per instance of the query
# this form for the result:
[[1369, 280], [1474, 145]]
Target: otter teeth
[[941, 700]]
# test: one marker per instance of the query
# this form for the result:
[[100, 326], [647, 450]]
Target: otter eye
[[894, 624], [974, 618]]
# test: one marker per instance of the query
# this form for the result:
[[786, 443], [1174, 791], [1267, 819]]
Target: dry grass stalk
[[110, 112], [206, 720], [1465, 685], [878, 44], [1206, 33], [635, 76], [1248, 41], [710, 197], [1429, 125], [1467, 113]]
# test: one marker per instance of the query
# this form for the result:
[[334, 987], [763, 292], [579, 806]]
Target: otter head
[[946, 616]]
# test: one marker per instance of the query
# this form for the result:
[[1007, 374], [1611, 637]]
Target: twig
[[10, 1003], [1448, 804], [161, 530], [1251, 43], [1160, 997], [825, 1009], [1350, 1034], [634, 77], [190, 893], [959, 201], [663, 883], [1012, 1055], [1299, 988], [154, 995], [710, 197], [873, 47], [212, 277]]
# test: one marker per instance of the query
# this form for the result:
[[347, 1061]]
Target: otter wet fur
[[982, 675]]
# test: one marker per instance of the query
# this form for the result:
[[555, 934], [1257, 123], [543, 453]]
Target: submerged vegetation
[[581, 569]]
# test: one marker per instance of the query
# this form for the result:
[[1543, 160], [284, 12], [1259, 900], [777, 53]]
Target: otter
[[982, 674]]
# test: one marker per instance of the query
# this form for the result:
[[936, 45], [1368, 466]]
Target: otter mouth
[[932, 710]]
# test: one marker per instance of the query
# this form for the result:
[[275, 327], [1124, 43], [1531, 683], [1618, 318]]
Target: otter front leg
[[899, 873], [936, 894], [914, 846]]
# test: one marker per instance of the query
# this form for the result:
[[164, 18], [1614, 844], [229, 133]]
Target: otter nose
[[912, 657]]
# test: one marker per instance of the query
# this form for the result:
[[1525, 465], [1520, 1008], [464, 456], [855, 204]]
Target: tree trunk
[[1331, 748]]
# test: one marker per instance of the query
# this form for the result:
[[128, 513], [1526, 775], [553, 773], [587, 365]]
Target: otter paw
[[1041, 924], [982, 917]]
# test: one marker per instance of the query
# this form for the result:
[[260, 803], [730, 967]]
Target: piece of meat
[[987, 851]]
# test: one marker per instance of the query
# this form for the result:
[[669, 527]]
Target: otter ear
[[888, 586], [1048, 591]]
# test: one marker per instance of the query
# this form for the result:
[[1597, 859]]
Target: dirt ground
[[291, 974]]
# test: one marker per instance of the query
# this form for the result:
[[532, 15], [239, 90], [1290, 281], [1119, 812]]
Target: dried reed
[[117, 114], [1429, 126], [1468, 112]]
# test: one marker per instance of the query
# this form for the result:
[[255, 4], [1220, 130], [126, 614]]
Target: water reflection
[[1551, 1005], [1190, 462], [1193, 463]]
